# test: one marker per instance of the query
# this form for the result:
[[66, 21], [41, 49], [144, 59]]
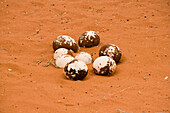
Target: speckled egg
[[89, 39], [76, 70], [65, 41], [112, 51], [104, 65]]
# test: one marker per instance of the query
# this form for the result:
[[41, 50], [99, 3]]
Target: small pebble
[[97, 99], [10, 70], [118, 86], [144, 78], [52, 4], [61, 86], [104, 98], [166, 77], [139, 92]]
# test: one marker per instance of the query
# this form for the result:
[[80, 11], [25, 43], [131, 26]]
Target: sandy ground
[[139, 27]]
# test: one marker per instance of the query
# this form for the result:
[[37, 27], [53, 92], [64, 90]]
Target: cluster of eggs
[[75, 68]]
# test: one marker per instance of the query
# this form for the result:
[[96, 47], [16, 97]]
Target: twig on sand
[[126, 88], [121, 90], [120, 111], [4, 49], [50, 62]]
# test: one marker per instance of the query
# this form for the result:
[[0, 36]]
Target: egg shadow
[[115, 73], [86, 78], [122, 60], [110, 75]]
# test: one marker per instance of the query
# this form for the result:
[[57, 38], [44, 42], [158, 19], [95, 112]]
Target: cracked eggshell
[[89, 39], [62, 51], [65, 41], [76, 70], [85, 57], [62, 60], [112, 51], [104, 65]]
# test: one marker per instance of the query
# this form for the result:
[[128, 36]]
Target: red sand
[[139, 27]]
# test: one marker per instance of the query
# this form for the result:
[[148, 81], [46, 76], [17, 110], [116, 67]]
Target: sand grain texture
[[139, 27]]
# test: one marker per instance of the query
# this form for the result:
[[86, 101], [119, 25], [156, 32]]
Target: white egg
[[85, 57], [62, 60], [61, 51]]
